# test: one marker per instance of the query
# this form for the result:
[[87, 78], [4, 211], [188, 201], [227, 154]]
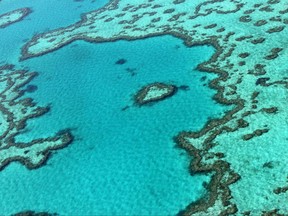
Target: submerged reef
[[33, 213], [250, 39], [15, 111], [13, 16], [154, 92]]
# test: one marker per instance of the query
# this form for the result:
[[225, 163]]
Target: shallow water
[[122, 161], [46, 15]]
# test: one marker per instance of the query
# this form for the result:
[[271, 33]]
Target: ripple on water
[[123, 161]]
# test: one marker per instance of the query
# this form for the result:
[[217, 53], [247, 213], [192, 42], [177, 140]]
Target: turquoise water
[[122, 162], [46, 15]]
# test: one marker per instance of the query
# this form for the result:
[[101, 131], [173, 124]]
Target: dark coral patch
[[33, 213], [121, 61], [31, 88]]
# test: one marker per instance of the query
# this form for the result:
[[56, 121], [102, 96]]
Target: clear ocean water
[[122, 162]]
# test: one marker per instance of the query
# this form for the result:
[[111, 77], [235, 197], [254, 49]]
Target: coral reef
[[13, 16], [15, 111], [248, 36], [154, 92], [33, 213]]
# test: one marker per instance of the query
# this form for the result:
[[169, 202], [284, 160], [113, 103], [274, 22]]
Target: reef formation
[[33, 213], [154, 92], [246, 150], [13, 16], [15, 111]]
